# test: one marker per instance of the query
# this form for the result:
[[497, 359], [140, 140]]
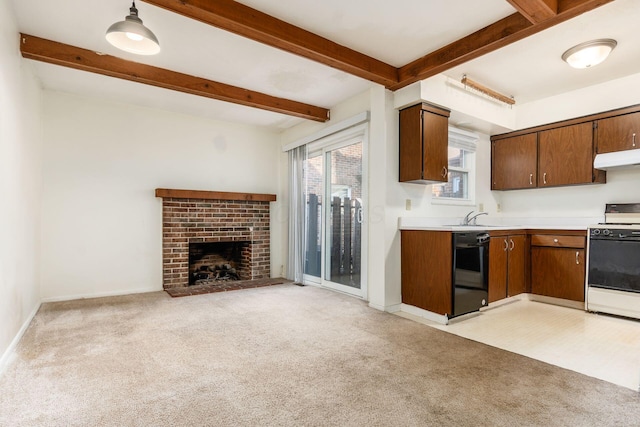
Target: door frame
[[344, 138]]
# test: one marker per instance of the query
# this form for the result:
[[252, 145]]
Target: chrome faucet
[[468, 218], [465, 221]]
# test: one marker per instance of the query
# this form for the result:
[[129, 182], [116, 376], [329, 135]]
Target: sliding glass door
[[334, 217], [343, 217]]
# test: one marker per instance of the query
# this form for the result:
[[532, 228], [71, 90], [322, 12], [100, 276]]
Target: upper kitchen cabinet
[[619, 133], [565, 156], [545, 156], [514, 162], [424, 144]]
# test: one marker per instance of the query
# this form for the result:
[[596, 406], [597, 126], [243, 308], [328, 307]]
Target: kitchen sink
[[472, 225]]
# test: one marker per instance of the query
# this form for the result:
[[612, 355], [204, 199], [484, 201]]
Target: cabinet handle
[[555, 240], [444, 171], [506, 245], [530, 179], [634, 139], [577, 257], [544, 178], [512, 244]]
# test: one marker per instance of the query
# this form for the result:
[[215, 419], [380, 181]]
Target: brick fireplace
[[191, 217]]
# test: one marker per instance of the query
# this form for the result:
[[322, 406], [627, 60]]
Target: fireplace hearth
[[209, 236]]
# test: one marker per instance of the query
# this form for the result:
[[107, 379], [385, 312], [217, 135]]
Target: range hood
[[617, 160]]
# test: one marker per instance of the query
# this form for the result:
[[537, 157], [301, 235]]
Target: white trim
[[472, 178], [394, 308], [425, 314], [102, 294], [329, 130], [463, 139], [10, 351], [352, 135], [311, 280]]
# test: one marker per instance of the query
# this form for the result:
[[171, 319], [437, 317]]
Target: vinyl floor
[[597, 345]]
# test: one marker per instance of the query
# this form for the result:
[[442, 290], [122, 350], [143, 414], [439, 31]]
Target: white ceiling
[[394, 32]]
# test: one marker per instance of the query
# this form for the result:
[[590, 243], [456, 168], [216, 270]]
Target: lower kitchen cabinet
[[558, 266], [426, 270], [507, 266]]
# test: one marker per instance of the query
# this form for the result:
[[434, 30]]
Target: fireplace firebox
[[219, 261]]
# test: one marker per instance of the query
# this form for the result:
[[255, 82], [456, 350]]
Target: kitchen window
[[460, 188]]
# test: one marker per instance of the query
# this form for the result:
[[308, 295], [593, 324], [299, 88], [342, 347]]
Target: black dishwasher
[[470, 271]]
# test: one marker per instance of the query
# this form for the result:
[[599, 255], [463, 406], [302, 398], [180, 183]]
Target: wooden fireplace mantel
[[213, 195]]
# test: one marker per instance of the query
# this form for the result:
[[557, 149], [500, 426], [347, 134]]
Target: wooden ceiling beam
[[245, 21], [57, 53], [495, 36], [536, 11]]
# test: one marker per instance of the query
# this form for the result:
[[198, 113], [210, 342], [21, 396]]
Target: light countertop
[[496, 223]]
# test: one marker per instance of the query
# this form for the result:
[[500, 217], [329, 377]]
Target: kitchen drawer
[[558, 241]]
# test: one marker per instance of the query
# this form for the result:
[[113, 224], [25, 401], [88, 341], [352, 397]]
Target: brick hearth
[[203, 216]]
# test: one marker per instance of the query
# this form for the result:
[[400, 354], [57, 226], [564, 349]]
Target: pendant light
[[590, 53], [131, 36]]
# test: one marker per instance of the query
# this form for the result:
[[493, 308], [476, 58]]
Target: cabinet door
[[411, 144], [558, 272], [619, 133], [498, 247], [565, 155], [426, 264], [435, 129], [514, 162], [516, 268]]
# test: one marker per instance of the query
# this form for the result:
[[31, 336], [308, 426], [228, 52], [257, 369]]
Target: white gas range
[[613, 262]]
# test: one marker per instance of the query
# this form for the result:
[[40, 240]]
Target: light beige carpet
[[282, 355]]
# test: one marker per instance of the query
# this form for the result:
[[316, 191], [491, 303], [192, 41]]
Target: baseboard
[[101, 294], [556, 301], [10, 351], [388, 308], [425, 314]]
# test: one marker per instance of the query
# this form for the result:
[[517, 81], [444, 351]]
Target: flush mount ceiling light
[[131, 36], [590, 53]]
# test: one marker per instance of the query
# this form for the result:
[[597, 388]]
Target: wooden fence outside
[[346, 236]]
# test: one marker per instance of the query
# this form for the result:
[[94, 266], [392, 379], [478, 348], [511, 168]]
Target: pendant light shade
[[131, 36], [590, 53]]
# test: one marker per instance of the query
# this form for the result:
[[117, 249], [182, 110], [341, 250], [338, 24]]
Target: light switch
[[408, 204]]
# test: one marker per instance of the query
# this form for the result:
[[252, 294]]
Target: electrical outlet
[[480, 207], [498, 207], [408, 204]]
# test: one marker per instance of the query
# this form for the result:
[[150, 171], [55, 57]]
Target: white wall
[[20, 182], [101, 222]]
